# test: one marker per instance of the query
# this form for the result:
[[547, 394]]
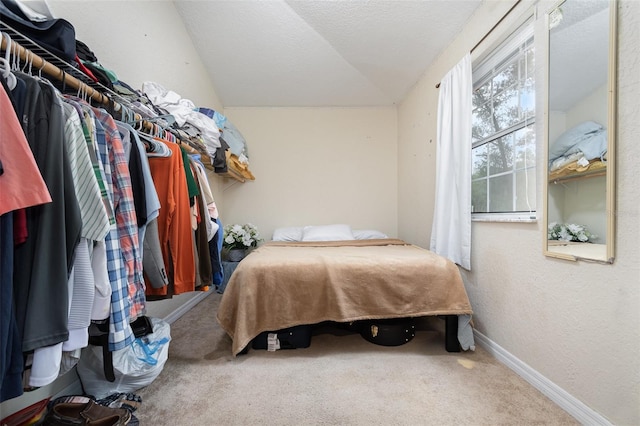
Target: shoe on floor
[[86, 414]]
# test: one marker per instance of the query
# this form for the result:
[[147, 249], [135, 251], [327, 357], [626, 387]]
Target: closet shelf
[[237, 169], [602, 171], [41, 60]]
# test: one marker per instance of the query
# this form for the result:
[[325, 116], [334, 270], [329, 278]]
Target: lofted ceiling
[[320, 52]]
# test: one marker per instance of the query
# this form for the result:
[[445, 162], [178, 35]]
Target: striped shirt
[[95, 223], [89, 132]]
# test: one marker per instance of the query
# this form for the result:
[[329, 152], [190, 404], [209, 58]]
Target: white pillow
[[287, 234], [368, 234], [327, 233]]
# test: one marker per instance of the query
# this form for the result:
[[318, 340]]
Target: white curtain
[[451, 230]]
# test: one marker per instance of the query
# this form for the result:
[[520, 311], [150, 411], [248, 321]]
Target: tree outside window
[[503, 134]]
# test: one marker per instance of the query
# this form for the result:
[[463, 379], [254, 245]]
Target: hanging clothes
[[102, 203], [90, 189], [122, 245], [21, 186], [207, 196], [174, 223], [152, 261], [43, 262], [215, 252], [47, 359], [201, 238], [149, 204], [136, 174]]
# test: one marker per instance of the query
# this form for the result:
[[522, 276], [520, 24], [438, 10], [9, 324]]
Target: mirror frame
[[611, 143]]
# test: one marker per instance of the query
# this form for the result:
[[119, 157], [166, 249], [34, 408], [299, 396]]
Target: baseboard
[[73, 388], [567, 402], [185, 307], [67, 384]]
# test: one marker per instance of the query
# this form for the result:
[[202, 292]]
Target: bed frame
[[282, 285]]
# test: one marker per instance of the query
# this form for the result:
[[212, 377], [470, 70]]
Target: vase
[[236, 255]]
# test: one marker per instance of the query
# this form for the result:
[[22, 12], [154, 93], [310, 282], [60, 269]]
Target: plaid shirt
[[124, 254]]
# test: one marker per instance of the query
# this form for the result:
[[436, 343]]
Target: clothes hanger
[[64, 83], [156, 148], [15, 58], [5, 64], [26, 67], [5, 69], [167, 118]]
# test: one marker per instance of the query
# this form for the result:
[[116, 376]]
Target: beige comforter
[[281, 285]]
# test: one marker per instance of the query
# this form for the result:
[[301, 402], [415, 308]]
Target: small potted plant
[[239, 240]]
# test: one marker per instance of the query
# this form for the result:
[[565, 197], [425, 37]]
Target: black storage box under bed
[[388, 332], [287, 338]]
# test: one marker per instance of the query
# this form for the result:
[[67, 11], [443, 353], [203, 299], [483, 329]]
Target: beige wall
[[577, 324], [316, 166]]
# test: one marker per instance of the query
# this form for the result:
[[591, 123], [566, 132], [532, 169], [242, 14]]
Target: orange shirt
[[174, 222]]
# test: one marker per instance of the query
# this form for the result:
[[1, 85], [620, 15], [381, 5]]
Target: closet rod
[[41, 65], [491, 30]]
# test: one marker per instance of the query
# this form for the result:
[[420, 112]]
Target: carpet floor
[[341, 379]]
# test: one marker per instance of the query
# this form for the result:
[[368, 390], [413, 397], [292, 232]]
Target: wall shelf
[[595, 169]]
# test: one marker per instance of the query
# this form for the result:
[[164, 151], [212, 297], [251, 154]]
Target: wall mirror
[[580, 131]]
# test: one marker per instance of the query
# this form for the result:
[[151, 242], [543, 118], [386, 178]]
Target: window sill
[[504, 217]]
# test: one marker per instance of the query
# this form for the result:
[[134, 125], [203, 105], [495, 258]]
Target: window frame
[[485, 68]]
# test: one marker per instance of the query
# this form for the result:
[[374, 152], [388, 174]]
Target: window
[[503, 152]]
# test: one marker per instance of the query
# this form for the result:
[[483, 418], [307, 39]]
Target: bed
[[283, 284]]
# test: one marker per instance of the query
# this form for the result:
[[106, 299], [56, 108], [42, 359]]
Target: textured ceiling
[[579, 53], [320, 52]]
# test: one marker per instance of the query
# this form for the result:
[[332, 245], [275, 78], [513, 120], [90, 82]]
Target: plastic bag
[[134, 367]]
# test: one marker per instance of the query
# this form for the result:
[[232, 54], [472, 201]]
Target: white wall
[[316, 166], [577, 324], [592, 107]]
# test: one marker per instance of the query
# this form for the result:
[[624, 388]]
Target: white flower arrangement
[[241, 236], [570, 232]]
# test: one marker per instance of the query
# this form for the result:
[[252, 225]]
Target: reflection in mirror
[[580, 131]]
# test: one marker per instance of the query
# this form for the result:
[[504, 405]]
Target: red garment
[[21, 183], [86, 70], [174, 222], [20, 232]]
